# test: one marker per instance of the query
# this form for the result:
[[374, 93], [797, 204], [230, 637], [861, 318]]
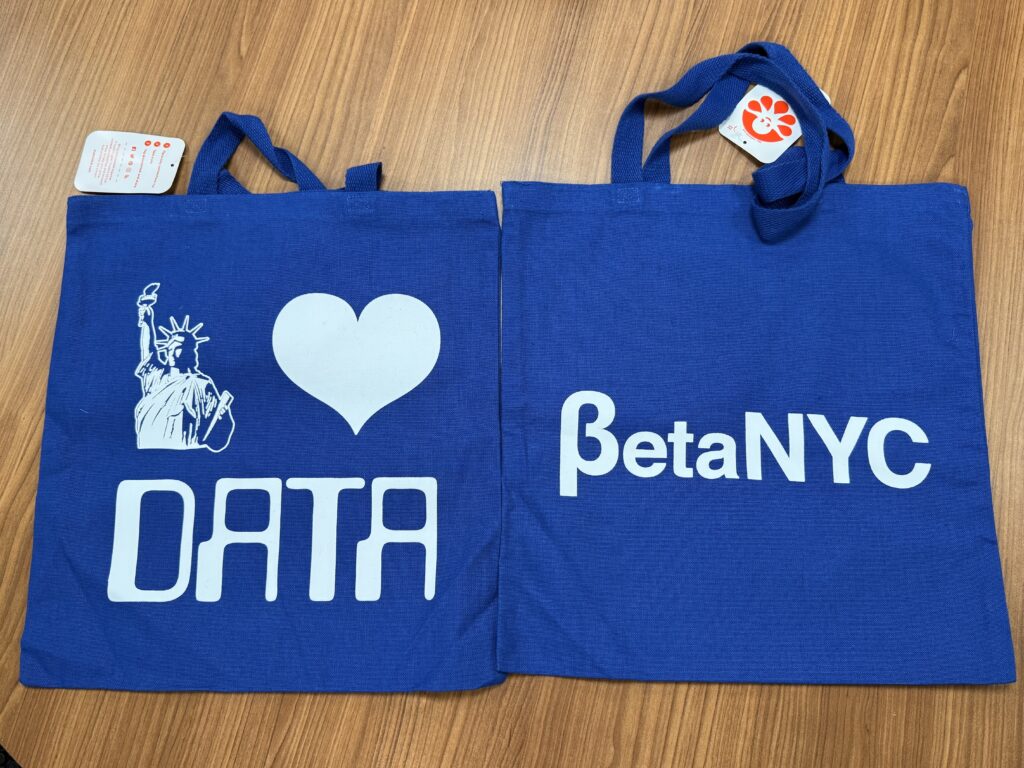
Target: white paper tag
[[128, 163], [763, 124]]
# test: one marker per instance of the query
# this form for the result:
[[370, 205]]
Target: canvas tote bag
[[270, 455], [742, 427]]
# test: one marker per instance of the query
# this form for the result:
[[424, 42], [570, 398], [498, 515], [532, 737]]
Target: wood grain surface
[[460, 94]]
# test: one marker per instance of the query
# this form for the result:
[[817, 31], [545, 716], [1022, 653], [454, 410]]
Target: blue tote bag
[[742, 427], [270, 455]]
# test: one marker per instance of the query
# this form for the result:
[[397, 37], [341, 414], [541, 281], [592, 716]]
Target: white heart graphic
[[356, 365]]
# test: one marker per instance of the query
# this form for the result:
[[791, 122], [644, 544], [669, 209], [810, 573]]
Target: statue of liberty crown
[[175, 336]]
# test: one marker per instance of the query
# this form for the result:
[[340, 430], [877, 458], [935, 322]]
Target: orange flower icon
[[768, 119]]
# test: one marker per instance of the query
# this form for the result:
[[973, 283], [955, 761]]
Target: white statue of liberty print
[[180, 406]]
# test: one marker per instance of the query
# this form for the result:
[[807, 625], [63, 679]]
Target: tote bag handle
[[787, 191], [210, 175], [784, 177]]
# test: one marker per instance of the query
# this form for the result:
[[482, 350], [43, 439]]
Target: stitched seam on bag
[[965, 279], [627, 196]]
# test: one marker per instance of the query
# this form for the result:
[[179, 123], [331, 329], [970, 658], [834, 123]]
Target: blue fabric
[[633, 307], [363, 178], [233, 262], [801, 173], [209, 174]]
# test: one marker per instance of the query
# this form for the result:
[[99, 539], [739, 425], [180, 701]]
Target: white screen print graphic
[[355, 365], [180, 407], [327, 494], [587, 416]]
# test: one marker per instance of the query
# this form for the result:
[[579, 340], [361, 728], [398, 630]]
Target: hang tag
[[128, 163], [763, 124]]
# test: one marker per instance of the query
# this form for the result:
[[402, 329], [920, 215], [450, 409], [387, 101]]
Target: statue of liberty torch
[[180, 406]]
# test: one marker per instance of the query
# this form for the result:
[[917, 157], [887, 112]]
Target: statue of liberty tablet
[[180, 407]]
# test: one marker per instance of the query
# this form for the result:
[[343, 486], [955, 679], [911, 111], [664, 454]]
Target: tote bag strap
[[784, 177], [210, 175], [786, 192], [363, 178]]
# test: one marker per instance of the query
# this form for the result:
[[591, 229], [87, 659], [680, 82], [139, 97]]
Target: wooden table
[[461, 94]]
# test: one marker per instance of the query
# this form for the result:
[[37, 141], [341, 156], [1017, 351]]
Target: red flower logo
[[768, 120]]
